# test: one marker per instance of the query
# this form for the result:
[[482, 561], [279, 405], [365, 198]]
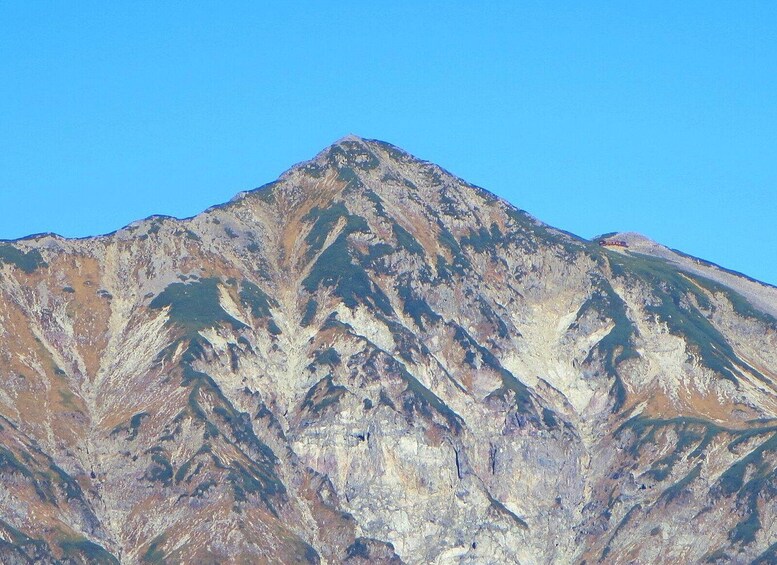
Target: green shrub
[[322, 395], [425, 399], [194, 306], [27, 261], [676, 489], [87, 551], [335, 269], [160, 470], [310, 311], [327, 356], [256, 299], [415, 307], [406, 241]]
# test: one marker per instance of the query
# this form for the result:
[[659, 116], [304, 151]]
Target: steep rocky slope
[[373, 361]]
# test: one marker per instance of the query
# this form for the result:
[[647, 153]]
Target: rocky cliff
[[370, 360]]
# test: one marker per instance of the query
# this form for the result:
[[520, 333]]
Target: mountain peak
[[350, 162], [351, 137]]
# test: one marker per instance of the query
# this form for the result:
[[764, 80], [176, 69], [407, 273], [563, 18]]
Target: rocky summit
[[371, 360]]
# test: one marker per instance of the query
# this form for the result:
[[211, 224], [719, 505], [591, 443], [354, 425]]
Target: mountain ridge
[[357, 139], [350, 137]]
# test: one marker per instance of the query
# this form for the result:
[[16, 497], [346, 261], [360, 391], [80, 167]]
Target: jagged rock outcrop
[[373, 361]]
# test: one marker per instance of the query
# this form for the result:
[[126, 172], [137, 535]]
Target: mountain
[[370, 360]]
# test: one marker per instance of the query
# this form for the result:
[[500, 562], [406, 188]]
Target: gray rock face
[[372, 361]]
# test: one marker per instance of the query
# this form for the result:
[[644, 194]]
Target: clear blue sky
[[654, 117]]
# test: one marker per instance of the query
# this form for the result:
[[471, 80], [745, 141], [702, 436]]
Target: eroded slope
[[370, 360]]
